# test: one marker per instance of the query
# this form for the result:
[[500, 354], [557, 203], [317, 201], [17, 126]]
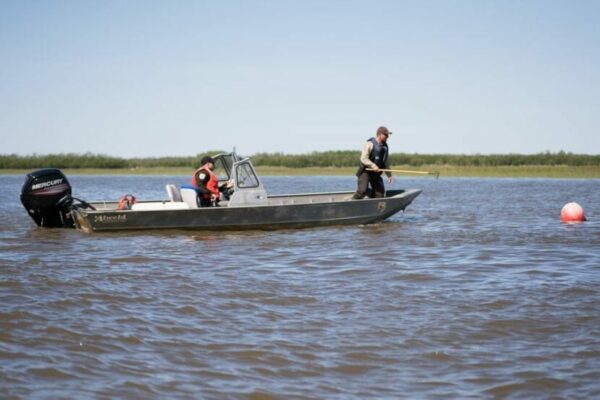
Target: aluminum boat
[[46, 195]]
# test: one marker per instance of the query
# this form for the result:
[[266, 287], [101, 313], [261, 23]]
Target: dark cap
[[382, 130], [206, 160]]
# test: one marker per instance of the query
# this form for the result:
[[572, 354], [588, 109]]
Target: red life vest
[[212, 184], [126, 201]]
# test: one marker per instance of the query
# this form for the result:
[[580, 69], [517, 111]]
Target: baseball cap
[[383, 131], [206, 160]]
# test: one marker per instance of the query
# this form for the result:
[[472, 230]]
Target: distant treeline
[[315, 159], [350, 159], [89, 160]]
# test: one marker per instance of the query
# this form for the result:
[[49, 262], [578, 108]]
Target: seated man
[[207, 183]]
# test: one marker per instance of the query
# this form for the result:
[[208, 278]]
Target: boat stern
[[81, 220]]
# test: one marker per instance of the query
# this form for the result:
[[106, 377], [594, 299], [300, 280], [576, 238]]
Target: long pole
[[406, 171]]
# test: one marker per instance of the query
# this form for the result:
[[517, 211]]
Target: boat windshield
[[245, 176], [223, 166]]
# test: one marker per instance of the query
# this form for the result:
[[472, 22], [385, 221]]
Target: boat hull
[[281, 212]]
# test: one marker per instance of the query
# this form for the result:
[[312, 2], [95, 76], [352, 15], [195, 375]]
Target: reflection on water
[[476, 291]]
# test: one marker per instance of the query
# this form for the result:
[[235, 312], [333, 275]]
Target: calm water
[[477, 291]]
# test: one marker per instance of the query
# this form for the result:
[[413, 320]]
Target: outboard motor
[[46, 195]]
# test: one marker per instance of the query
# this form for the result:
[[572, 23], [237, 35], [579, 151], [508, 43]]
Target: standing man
[[374, 157]]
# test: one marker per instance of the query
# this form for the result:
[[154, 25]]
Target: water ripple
[[459, 297]]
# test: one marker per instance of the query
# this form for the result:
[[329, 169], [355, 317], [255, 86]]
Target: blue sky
[[157, 78]]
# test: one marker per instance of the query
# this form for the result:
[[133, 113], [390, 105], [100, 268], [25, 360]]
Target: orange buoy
[[572, 212]]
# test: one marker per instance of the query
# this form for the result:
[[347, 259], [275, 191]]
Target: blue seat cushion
[[189, 187]]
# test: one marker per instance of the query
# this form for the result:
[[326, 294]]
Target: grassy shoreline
[[528, 171]]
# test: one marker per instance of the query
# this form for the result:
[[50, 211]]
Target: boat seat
[[173, 192], [189, 195]]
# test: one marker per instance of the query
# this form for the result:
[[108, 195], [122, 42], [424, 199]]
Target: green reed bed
[[542, 165]]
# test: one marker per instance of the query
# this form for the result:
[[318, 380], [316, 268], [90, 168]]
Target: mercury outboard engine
[[46, 196]]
